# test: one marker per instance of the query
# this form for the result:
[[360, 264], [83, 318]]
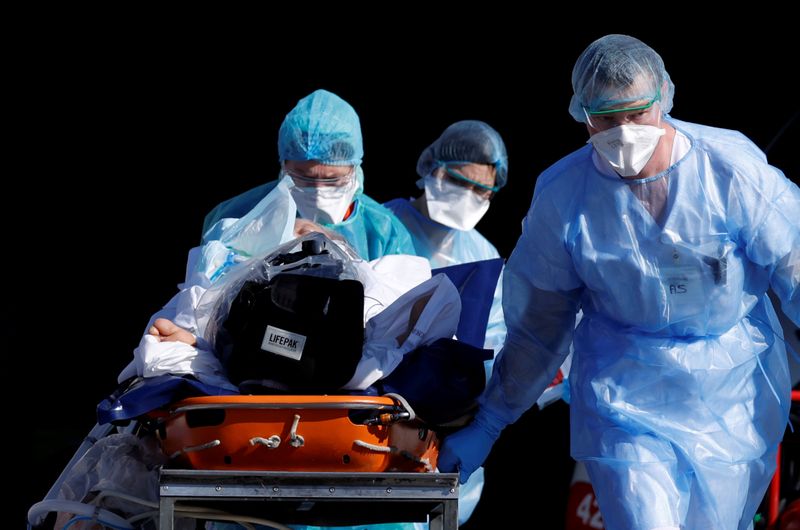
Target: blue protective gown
[[372, 230], [680, 386]]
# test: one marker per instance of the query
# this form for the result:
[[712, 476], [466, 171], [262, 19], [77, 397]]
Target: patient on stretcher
[[403, 309]]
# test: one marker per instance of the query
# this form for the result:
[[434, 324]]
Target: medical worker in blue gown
[[460, 173], [320, 150], [667, 234]]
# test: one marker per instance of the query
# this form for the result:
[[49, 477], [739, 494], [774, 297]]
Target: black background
[[128, 136]]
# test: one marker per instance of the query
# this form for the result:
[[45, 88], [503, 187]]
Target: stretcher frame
[[311, 497]]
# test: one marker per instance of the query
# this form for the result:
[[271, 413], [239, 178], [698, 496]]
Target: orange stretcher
[[297, 433]]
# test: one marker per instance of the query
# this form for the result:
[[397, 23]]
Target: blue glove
[[465, 450]]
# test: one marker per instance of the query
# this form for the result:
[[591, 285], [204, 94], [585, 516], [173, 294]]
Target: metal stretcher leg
[[444, 517], [166, 513]]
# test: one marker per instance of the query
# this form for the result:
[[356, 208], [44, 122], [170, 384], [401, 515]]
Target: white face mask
[[324, 204], [627, 148], [453, 205]]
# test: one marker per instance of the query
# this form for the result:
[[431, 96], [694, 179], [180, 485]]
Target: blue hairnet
[[324, 127], [466, 141], [617, 69]]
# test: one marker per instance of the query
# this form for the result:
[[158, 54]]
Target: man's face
[[311, 173]]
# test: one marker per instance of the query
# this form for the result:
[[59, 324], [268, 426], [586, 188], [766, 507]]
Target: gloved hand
[[465, 450]]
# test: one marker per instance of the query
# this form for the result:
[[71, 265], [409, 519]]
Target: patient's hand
[[304, 226], [166, 330]]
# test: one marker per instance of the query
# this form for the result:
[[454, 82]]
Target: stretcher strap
[[394, 450]]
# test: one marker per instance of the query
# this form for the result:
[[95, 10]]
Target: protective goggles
[[482, 190], [595, 116], [624, 109], [305, 181]]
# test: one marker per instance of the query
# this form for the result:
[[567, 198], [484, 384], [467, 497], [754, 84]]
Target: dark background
[[130, 136]]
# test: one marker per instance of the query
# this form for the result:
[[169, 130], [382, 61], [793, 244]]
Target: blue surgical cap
[[615, 70], [468, 141], [324, 127]]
